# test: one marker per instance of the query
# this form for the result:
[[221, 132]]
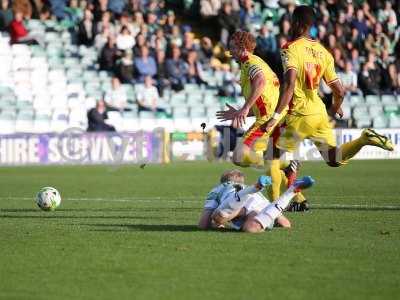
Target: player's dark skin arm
[[285, 97], [338, 96]]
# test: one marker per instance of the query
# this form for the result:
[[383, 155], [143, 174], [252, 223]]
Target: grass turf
[[129, 233]]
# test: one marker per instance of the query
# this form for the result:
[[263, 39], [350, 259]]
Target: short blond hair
[[234, 175]]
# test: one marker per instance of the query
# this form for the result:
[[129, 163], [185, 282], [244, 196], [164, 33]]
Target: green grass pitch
[[129, 233]]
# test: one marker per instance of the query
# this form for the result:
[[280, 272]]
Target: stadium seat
[[391, 109], [195, 99], [375, 111], [180, 112], [379, 122], [360, 111], [363, 122], [389, 99], [197, 112], [356, 100], [178, 99], [372, 99], [394, 121]]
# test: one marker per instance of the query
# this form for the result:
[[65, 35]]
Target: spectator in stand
[[369, 79], [384, 62], [145, 65], [388, 16], [125, 68], [209, 8], [148, 98], [23, 6], [194, 69], [140, 42], [355, 60], [249, 19], [188, 43], [394, 79], [86, 29], [152, 23], [101, 39], [6, 15], [161, 71], [205, 51], [96, 118], [19, 34], [377, 41], [158, 40], [176, 69], [108, 55], [229, 22], [105, 24], [349, 80], [266, 42], [360, 24], [170, 22], [125, 40], [175, 38], [116, 96]]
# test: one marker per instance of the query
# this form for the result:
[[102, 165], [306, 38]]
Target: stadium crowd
[[158, 42]]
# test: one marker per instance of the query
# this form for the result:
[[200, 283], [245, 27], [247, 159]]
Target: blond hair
[[234, 175]]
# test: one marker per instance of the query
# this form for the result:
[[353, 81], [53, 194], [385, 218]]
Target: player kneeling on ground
[[245, 207]]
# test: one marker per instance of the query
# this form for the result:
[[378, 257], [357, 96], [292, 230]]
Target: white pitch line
[[190, 199]]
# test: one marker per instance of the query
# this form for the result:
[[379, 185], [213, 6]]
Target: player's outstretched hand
[[227, 115], [240, 118]]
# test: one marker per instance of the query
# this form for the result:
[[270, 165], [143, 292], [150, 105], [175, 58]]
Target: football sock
[[348, 150], [299, 197], [273, 170]]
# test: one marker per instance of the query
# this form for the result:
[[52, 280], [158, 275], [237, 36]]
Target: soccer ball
[[48, 198]]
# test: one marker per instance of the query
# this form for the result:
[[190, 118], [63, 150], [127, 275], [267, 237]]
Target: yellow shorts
[[315, 127], [257, 139]]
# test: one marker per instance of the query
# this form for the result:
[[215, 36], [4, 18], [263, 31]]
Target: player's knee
[[218, 218], [252, 226]]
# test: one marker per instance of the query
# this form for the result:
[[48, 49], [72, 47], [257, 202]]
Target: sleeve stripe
[[254, 73], [332, 81], [253, 70]]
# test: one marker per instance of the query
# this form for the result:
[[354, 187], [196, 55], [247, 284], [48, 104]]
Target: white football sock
[[268, 215]]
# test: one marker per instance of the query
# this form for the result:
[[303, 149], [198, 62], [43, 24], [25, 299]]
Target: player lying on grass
[[245, 207]]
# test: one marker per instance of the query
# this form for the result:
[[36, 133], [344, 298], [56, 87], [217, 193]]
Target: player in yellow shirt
[[260, 88], [306, 62]]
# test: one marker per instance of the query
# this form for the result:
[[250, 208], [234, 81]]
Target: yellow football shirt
[[312, 62], [265, 105]]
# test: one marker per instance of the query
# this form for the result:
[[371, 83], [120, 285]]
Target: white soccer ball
[[48, 198]]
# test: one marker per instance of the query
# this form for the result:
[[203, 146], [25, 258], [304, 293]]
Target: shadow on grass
[[150, 227], [359, 208], [46, 215]]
